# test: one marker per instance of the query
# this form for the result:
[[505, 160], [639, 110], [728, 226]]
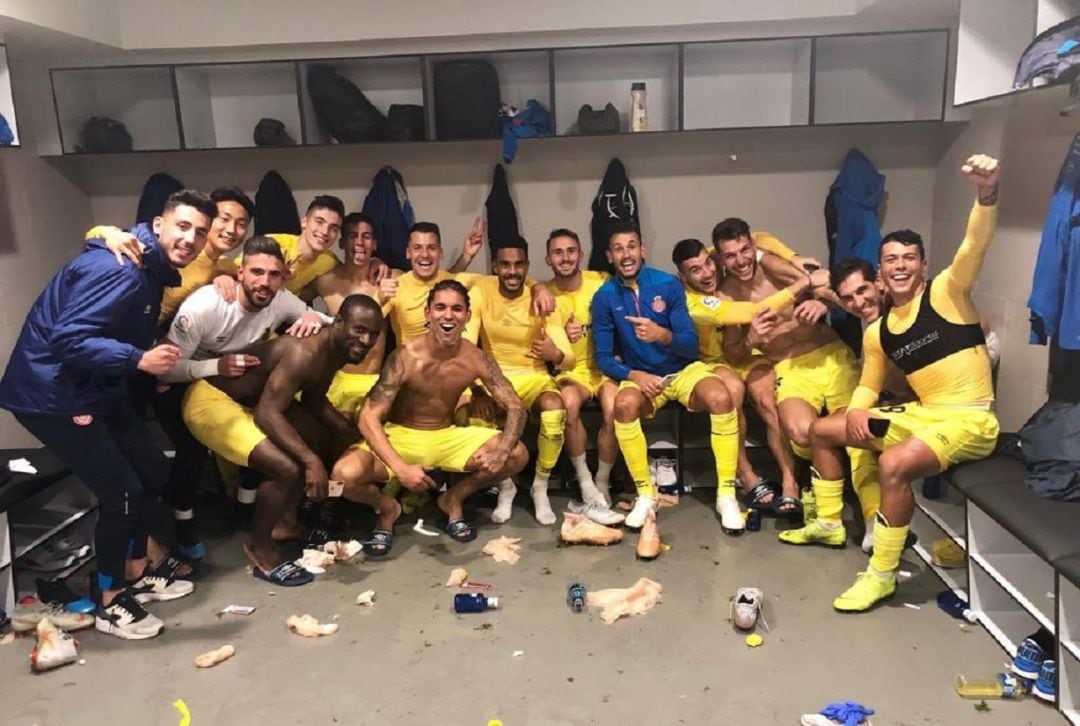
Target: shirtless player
[[815, 370], [253, 420], [407, 419]]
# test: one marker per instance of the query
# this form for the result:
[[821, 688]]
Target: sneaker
[[159, 584], [26, 618], [55, 555], [1028, 660], [667, 475], [816, 533], [56, 592], [125, 618], [1046, 685], [746, 608], [636, 519], [596, 512], [54, 647], [869, 589], [731, 517]]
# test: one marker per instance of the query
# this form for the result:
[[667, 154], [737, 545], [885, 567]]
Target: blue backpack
[[7, 137]]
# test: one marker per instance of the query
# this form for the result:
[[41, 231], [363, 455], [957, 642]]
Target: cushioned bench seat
[[996, 485], [22, 486]]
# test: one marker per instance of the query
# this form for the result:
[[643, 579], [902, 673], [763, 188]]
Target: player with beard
[[255, 420], [930, 329]]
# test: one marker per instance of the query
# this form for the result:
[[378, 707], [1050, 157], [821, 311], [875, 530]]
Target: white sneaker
[[125, 618], [636, 519], [667, 474], [731, 517], [746, 608], [596, 512], [25, 619], [154, 587], [505, 503]]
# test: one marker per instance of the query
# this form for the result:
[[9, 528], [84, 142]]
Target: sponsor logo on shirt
[[183, 324], [712, 303]]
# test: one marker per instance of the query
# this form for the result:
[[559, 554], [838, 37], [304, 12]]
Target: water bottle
[[575, 595], [999, 685], [951, 603], [753, 520], [639, 115], [474, 602]]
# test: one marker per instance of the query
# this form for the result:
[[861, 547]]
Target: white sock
[[505, 502], [589, 492], [544, 514], [245, 496], [603, 480]]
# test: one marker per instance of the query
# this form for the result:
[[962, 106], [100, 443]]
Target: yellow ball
[[754, 640]]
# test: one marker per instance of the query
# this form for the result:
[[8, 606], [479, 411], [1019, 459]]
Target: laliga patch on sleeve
[[711, 302], [183, 323]]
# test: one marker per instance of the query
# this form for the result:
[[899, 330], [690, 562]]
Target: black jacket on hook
[[275, 207], [615, 200], [502, 221]]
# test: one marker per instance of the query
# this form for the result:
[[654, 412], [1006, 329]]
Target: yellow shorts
[[449, 449], [953, 434], [348, 391], [220, 423], [681, 385], [743, 371], [824, 378], [591, 381], [529, 386]]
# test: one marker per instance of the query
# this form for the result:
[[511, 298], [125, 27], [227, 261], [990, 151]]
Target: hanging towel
[[156, 191], [502, 221], [616, 199], [1055, 291], [275, 207], [387, 203]]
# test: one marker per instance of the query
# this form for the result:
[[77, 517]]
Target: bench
[[1023, 560]]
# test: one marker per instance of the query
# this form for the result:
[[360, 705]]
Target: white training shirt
[[205, 327]]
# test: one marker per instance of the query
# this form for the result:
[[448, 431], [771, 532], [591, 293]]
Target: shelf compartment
[[48, 513], [1069, 621], [221, 104], [1069, 686], [597, 76], [1022, 573], [947, 512], [928, 530], [140, 97], [385, 81], [880, 77], [740, 84], [7, 102], [998, 611]]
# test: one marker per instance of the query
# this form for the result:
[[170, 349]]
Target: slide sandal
[[379, 544], [460, 530], [287, 574], [759, 491], [787, 507]]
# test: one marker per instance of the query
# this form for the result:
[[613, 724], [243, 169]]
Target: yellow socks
[[829, 495], [866, 480], [635, 450], [549, 443], [888, 545], [724, 440]]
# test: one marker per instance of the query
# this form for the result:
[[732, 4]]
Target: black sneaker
[[125, 618], [56, 592]]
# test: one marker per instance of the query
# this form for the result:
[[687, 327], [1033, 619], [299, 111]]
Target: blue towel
[[847, 712]]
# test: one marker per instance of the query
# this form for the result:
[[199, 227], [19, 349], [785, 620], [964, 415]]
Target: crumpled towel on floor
[[617, 602], [504, 549]]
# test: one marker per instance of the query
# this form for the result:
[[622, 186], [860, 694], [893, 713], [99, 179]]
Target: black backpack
[[605, 121], [466, 100], [103, 135], [342, 108], [406, 122], [271, 132]]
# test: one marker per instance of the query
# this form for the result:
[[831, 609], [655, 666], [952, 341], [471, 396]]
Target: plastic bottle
[[474, 602], [951, 603], [575, 595], [999, 685], [639, 115]]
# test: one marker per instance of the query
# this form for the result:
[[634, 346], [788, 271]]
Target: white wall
[[685, 182], [43, 214], [1031, 139]]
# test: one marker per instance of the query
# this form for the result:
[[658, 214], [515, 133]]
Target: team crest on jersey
[[658, 304], [183, 323], [712, 303]]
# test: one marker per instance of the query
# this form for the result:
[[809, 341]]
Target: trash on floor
[[947, 554], [21, 466], [309, 627], [467, 585], [315, 561], [342, 550], [237, 610], [579, 529], [185, 714], [754, 640], [504, 549], [213, 657], [367, 597], [997, 685], [848, 713], [913, 606], [458, 575], [54, 647], [474, 602], [635, 600], [419, 528], [517, 654]]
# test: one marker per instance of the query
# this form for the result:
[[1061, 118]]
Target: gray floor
[[411, 660]]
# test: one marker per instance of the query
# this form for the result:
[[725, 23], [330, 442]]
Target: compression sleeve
[[873, 370]]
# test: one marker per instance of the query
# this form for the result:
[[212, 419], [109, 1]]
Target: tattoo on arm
[[988, 196], [504, 395]]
